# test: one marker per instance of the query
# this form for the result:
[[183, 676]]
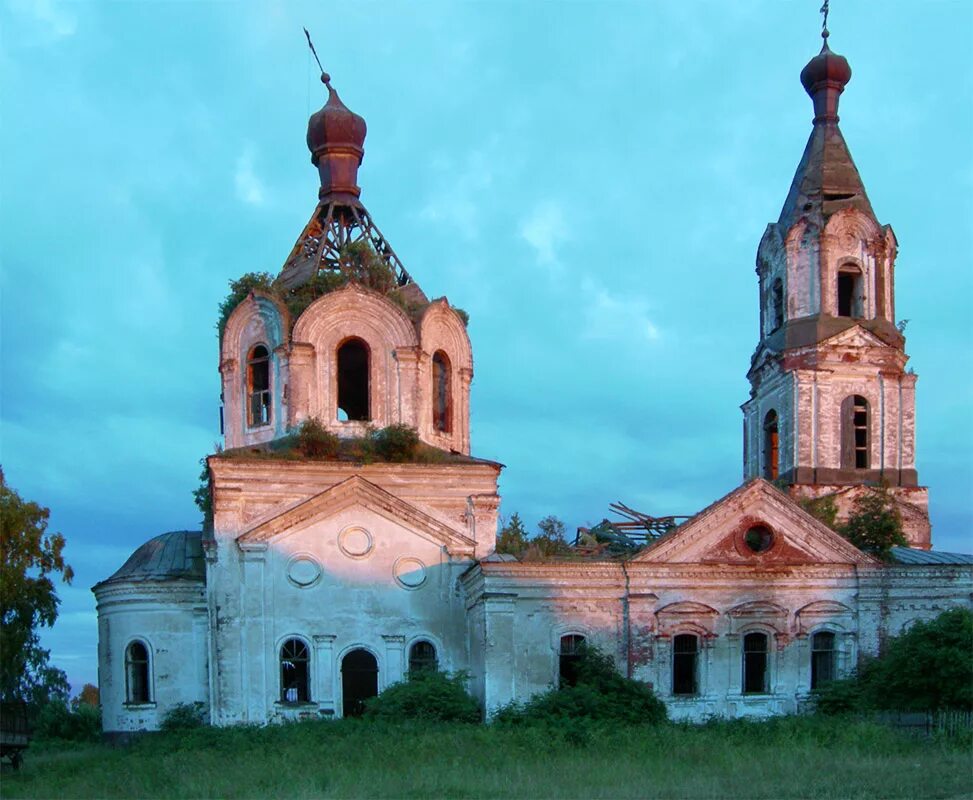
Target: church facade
[[324, 580]]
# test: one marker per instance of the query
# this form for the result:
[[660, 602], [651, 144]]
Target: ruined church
[[321, 581]]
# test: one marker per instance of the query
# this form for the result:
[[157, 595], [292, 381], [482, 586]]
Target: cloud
[[460, 196], [545, 229], [614, 317], [249, 188], [48, 16]]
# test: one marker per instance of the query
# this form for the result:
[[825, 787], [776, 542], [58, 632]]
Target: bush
[[601, 694], [184, 717], [315, 441], [56, 721], [397, 443], [926, 668], [426, 695]]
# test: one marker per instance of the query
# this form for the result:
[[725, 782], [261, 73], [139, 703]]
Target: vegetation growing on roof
[[381, 445], [358, 263], [874, 524]]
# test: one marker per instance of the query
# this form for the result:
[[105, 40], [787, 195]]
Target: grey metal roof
[[909, 555], [177, 555]]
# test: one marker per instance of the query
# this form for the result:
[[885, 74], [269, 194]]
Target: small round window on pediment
[[409, 573], [355, 542], [758, 539]]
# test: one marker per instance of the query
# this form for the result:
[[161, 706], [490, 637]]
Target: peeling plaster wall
[[533, 605], [362, 573], [170, 619]]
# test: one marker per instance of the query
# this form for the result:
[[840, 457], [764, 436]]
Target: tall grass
[[784, 758]]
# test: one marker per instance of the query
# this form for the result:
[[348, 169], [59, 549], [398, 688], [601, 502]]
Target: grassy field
[[784, 758]]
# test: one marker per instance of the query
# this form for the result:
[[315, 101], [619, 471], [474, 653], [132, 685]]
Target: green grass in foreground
[[790, 757]]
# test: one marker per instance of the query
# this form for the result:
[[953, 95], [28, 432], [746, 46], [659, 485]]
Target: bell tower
[[832, 406]]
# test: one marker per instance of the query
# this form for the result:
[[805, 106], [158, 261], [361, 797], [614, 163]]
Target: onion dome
[[824, 79], [336, 138]]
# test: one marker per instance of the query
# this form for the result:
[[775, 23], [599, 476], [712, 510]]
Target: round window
[[303, 571], [758, 539]]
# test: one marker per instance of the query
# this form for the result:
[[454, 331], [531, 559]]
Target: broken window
[[294, 672], [771, 447], [258, 387], [359, 681], [758, 538], [353, 381], [854, 433], [569, 658], [851, 298], [685, 657], [822, 658], [422, 657], [441, 400], [777, 304], [755, 663], [137, 673]]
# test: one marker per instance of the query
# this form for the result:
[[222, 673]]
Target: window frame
[[770, 451], [833, 658], [695, 663], [565, 660], [130, 699], [265, 395], [431, 665], [856, 298], [745, 653], [855, 432], [283, 698], [442, 413]]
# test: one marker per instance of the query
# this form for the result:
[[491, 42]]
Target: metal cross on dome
[[824, 22]]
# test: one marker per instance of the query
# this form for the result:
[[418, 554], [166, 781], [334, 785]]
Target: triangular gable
[[358, 491], [716, 534], [855, 336]]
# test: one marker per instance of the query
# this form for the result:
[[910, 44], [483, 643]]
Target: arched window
[[442, 401], [822, 658], [258, 387], [295, 674], [755, 663], [771, 447], [137, 683], [851, 298], [422, 657], [685, 662], [854, 433], [777, 304], [353, 402], [568, 657]]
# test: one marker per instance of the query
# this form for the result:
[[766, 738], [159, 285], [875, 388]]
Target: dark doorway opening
[[359, 681]]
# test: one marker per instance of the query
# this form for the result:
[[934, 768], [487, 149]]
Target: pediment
[[357, 491], [728, 532], [856, 336]]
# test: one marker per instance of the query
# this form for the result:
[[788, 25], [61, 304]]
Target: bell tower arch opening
[[353, 358]]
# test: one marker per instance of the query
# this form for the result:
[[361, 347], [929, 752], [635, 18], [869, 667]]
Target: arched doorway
[[359, 681]]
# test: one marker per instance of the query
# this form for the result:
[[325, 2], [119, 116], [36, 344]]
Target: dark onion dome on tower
[[824, 78], [827, 179], [336, 138]]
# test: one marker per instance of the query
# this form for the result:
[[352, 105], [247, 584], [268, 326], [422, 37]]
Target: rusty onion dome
[[334, 127], [825, 67]]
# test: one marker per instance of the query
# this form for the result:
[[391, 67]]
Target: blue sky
[[589, 180]]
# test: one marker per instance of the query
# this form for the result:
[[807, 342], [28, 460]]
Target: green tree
[[32, 557], [822, 509], [513, 537], [927, 667], [551, 540], [874, 524]]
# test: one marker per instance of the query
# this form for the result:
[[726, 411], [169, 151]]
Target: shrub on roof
[[315, 441], [398, 443]]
